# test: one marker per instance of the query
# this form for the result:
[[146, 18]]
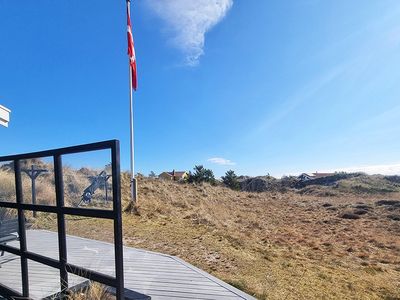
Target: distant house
[[311, 176], [174, 175], [305, 177]]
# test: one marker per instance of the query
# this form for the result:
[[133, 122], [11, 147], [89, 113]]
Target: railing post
[[62, 243], [21, 227], [117, 208]]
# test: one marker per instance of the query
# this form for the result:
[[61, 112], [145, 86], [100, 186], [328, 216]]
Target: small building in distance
[[305, 176], [311, 176], [174, 175]]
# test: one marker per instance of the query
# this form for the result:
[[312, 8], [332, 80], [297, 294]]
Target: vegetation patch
[[274, 244], [350, 216]]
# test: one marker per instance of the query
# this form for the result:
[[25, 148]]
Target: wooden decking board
[[167, 274], [163, 279], [175, 295], [169, 281], [185, 290], [169, 298], [182, 275], [199, 288], [153, 268], [166, 297], [234, 290], [204, 284], [158, 275], [150, 282], [175, 285]]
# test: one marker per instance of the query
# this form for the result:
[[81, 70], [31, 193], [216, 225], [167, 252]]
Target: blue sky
[[278, 87]]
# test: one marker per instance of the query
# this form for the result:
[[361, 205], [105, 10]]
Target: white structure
[[4, 116]]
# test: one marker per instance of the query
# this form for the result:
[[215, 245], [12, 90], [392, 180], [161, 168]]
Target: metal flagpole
[[132, 142]]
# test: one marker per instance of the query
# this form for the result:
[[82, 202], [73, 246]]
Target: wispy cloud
[[384, 169], [221, 161], [188, 21], [367, 50], [290, 104]]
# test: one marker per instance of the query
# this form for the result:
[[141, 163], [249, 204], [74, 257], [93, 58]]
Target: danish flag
[[131, 49]]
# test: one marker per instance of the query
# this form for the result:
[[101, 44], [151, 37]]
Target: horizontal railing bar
[[82, 212], [8, 292], [92, 275], [79, 271], [61, 151], [89, 212], [51, 262], [8, 204], [38, 207], [31, 207], [10, 249]]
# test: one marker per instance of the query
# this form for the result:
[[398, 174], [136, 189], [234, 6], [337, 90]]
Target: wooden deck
[[154, 274]]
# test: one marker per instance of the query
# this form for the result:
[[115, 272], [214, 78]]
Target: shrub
[[230, 180], [95, 291], [289, 181], [201, 174]]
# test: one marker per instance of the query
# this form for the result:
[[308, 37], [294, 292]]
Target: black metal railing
[[61, 210]]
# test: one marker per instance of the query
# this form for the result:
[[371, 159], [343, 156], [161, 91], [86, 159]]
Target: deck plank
[[158, 275]]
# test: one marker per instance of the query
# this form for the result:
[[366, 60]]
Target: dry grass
[[75, 181], [95, 291], [271, 245], [7, 186], [6, 213]]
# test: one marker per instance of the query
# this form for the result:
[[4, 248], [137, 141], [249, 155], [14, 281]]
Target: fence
[[61, 211]]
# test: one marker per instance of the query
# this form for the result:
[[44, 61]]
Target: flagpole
[[132, 141]]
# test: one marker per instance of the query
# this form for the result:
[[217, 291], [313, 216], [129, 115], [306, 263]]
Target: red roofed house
[[174, 175]]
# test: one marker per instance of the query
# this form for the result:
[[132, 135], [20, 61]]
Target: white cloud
[[188, 21], [384, 169], [221, 161]]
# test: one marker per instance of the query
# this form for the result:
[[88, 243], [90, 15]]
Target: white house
[[311, 176], [305, 177], [4, 116]]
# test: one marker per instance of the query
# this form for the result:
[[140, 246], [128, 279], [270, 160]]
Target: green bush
[[200, 175], [230, 180]]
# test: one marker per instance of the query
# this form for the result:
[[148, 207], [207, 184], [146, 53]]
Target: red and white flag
[[131, 49]]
